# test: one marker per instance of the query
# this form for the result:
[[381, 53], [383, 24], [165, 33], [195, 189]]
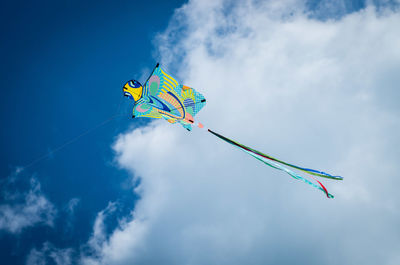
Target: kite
[[162, 96]]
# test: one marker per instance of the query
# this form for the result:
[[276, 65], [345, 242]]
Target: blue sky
[[63, 67], [64, 64]]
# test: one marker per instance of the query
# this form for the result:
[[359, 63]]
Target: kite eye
[[135, 84]]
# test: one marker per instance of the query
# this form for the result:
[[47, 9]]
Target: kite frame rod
[[158, 64]]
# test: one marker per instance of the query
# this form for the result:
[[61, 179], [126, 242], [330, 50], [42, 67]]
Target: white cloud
[[98, 237], [318, 94], [72, 203], [22, 210], [70, 214], [50, 255], [87, 254]]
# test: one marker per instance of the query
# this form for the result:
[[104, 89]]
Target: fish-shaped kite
[[163, 97]]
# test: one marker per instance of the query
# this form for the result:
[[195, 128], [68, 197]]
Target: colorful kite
[[163, 97]]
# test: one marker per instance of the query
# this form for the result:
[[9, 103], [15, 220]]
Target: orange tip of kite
[[200, 125]]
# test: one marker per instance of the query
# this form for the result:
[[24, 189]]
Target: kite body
[[163, 97]]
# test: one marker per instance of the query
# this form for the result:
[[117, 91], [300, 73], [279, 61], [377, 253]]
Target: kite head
[[133, 90]]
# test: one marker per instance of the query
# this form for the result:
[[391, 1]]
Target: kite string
[[70, 141], [74, 139]]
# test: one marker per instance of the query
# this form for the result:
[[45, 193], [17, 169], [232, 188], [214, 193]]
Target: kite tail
[[268, 161], [307, 170]]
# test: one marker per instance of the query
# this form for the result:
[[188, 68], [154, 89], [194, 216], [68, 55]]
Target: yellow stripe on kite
[[172, 85], [167, 86], [170, 77], [172, 81]]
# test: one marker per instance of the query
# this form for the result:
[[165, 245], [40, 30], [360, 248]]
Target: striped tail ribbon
[[270, 161]]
